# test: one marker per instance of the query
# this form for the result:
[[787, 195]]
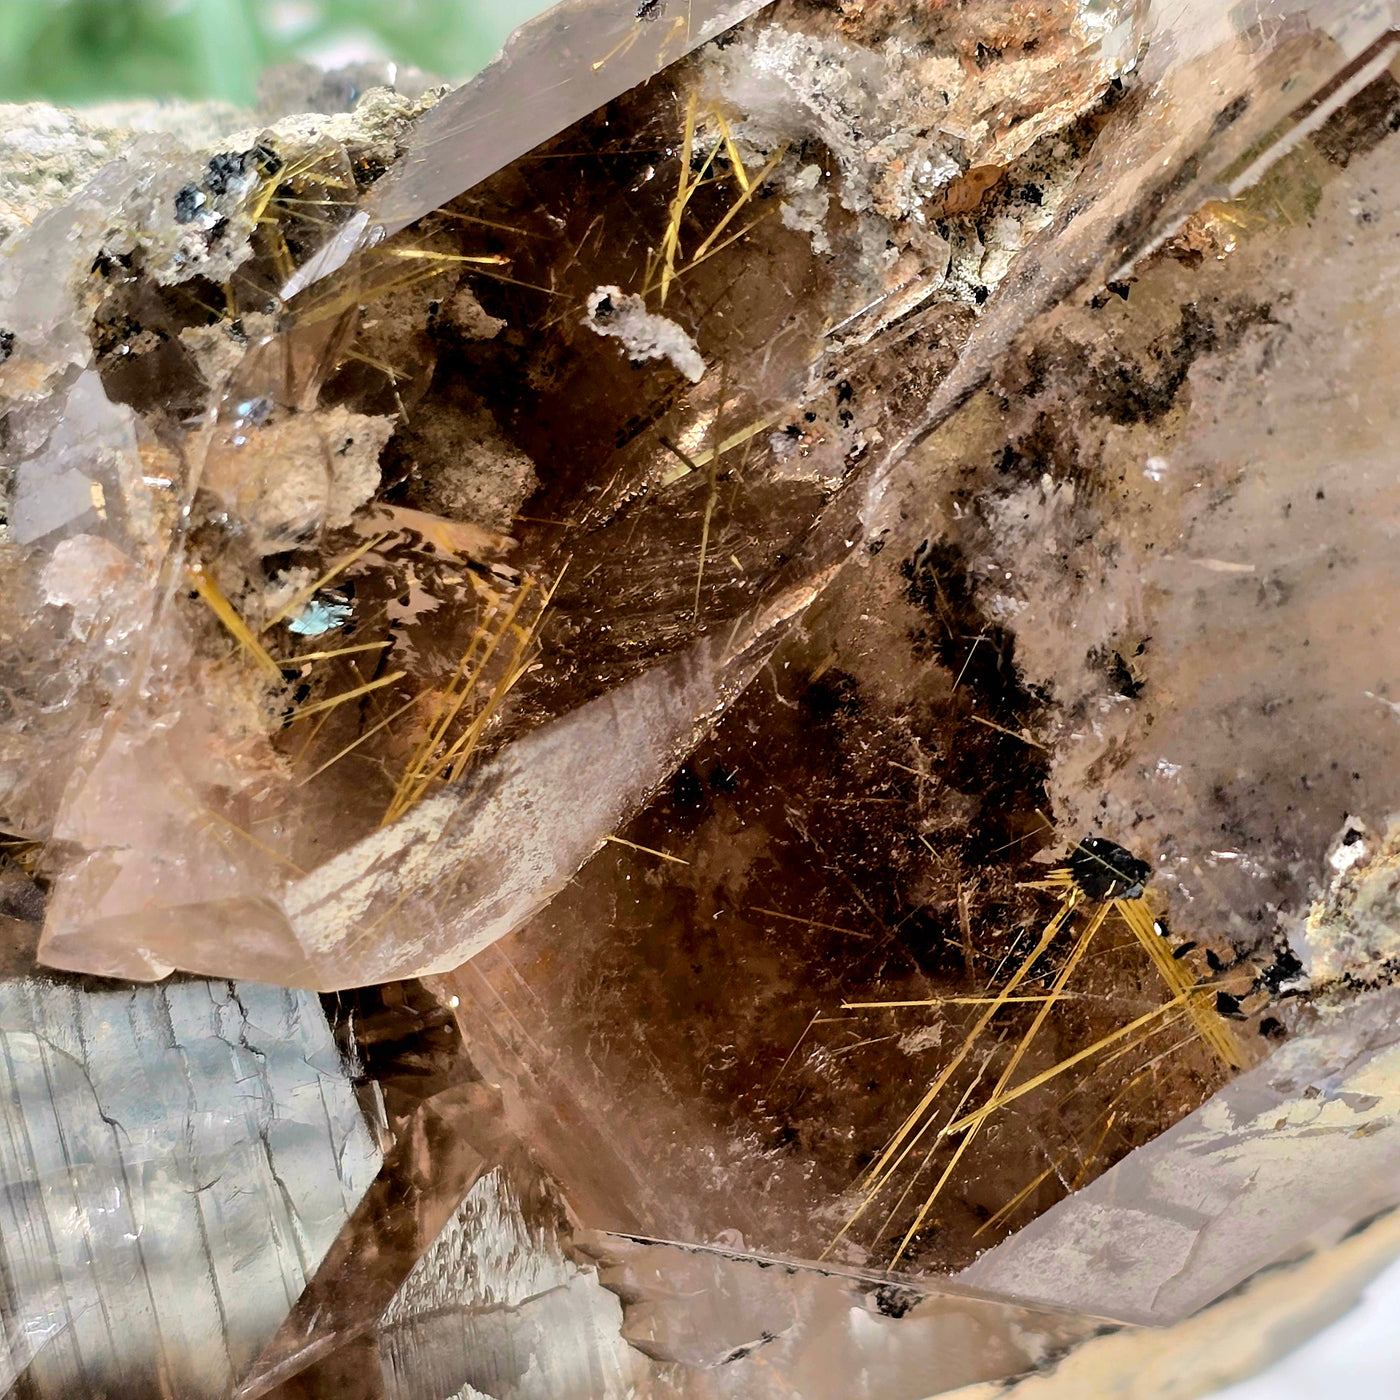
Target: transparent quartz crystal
[[714, 578]]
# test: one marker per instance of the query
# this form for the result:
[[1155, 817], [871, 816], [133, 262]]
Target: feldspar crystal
[[799, 647], [487, 1299]]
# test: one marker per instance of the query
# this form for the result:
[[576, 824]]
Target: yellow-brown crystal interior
[[440, 506]]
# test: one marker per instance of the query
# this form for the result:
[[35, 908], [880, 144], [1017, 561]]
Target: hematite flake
[[266, 159], [225, 170], [1104, 870], [188, 202]]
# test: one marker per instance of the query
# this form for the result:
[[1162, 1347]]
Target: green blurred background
[[78, 52]]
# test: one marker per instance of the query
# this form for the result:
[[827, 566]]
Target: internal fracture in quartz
[[812, 609]]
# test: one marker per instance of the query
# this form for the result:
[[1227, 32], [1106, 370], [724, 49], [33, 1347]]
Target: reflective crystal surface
[[176, 1161], [770, 618]]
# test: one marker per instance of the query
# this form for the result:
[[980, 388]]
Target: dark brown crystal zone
[[860, 827], [858, 830]]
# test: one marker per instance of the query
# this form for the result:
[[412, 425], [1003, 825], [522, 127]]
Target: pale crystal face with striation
[[797, 645]]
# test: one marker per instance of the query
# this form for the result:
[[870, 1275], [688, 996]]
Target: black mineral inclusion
[[1104, 870]]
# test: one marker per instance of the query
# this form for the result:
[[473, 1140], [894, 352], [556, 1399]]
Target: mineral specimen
[[798, 646]]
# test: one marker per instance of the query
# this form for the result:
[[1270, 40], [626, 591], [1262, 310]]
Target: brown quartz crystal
[[789, 636]]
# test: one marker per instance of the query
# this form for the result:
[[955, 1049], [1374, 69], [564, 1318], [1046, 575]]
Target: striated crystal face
[[796, 654], [177, 1162]]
